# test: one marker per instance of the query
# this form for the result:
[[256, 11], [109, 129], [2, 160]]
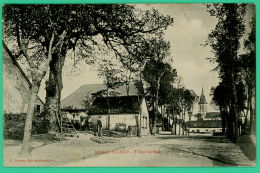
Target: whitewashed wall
[[15, 87], [205, 130], [145, 117], [128, 119]]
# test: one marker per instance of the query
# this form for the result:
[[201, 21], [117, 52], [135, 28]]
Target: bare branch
[[23, 49], [49, 56]]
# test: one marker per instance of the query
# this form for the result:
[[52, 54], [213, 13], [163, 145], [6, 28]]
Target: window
[[38, 109], [198, 130], [144, 122]]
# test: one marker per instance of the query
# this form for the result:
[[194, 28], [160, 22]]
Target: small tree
[[153, 73], [38, 63], [112, 79]]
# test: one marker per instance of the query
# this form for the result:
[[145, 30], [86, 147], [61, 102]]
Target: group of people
[[82, 123]]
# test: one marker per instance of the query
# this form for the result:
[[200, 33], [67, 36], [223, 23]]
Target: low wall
[[128, 119], [205, 130]]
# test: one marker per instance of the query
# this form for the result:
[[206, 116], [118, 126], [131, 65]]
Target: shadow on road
[[219, 160], [46, 139], [218, 139], [247, 146]]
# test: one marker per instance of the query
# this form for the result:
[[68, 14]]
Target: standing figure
[[82, 123], [99, 126]]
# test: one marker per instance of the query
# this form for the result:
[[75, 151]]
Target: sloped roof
[[75, 99], [205, 124], [193, 93], [117, 105], [212, 115], [38, 98], [202, 98]]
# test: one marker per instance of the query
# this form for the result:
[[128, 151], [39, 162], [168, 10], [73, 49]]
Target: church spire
[[202, 98]]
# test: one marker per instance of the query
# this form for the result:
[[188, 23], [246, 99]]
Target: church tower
[[202, 104]]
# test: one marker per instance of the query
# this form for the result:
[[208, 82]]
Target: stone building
[[204, 121], [39, 106], [16, 86], [202, 104], [126, 109]]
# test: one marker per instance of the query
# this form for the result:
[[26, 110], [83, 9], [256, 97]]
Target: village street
[[162, 150]]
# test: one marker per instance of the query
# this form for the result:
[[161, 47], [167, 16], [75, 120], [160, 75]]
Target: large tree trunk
[[153, 120], [234, 109], [162, 118], [156, 108], [52, 108], [53, 93], [229, 123], [108, 111], [223, 118], [156, 103], [175, 125], [251, 119], [168, 122], [28, 123], [250, 93]]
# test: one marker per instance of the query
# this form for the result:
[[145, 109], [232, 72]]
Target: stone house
[[16, 86], [212, 116], [39, 106], [205, 126], [126, 110], [73, 105]]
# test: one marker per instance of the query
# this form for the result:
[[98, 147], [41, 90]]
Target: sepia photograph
[[129, 85]]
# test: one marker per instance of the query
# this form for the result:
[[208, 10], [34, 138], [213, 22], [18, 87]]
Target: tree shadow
[[217, 160], [247, 146], [32, 148], [218, 139], [46, 139]]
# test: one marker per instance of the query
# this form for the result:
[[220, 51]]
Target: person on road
[[99, 126]]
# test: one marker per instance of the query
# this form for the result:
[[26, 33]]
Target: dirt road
[[161, 150]]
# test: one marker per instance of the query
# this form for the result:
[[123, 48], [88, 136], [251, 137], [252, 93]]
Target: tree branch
[[21, 45]]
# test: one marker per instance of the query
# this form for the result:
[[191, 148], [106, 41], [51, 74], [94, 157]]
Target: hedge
[[13, 125]]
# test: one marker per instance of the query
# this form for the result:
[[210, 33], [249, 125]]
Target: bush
[[13, 126], [40, 124]]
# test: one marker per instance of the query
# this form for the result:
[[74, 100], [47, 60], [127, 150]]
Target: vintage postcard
[[129, 85]]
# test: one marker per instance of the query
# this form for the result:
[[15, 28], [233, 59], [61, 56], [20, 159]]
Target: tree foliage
[[45, 33], [225, 43]]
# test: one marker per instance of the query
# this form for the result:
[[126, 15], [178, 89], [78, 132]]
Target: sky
[[192, 24]]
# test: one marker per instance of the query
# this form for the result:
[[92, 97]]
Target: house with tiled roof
[[205, 126], [126, 109], [212, 116]]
